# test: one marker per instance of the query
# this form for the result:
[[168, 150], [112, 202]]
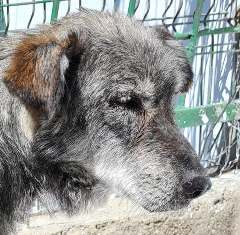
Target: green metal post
[[55, 9], [2, 19], [182, 36], [131, 8], [195, 30], [191, 48]]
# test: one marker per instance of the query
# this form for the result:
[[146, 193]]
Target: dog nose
[[196, 186]]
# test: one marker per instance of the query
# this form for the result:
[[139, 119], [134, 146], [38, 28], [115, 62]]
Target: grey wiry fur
[[104, 121]]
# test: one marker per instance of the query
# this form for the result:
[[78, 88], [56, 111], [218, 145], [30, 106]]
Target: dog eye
[[128, 102]]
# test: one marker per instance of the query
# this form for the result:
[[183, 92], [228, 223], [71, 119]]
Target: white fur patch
[[26, 123]]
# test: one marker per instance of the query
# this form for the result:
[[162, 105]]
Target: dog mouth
[[154, 205]]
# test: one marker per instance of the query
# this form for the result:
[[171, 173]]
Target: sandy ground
[[216, 212]]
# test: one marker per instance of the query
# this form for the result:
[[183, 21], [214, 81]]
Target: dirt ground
[[217, 212]]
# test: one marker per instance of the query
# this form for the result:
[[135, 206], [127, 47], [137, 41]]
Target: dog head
[[101, 88]]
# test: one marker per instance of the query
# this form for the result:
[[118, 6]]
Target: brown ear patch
[[34, 71]]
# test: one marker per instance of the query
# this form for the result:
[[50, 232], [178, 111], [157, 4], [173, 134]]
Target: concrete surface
[[216, 212]]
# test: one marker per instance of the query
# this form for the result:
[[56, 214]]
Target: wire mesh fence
[[210, 32]]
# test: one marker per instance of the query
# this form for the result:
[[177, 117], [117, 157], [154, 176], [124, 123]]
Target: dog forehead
[[142, 70], [122, 70], [136, 51], [121, 44]]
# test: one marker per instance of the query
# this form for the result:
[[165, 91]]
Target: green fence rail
[[203, 115]]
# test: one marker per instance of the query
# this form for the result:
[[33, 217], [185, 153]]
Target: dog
[[87, 109]]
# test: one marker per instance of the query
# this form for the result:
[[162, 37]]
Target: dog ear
[[36, 73], [184, 68], [163, 32]]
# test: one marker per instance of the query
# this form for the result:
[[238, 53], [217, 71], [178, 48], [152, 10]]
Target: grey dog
[[86, 109]]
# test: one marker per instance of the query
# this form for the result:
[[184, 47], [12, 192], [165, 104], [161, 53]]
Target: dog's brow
[[146, 87]]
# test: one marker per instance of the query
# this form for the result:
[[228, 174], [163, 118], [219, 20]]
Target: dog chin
[[155, 208]]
